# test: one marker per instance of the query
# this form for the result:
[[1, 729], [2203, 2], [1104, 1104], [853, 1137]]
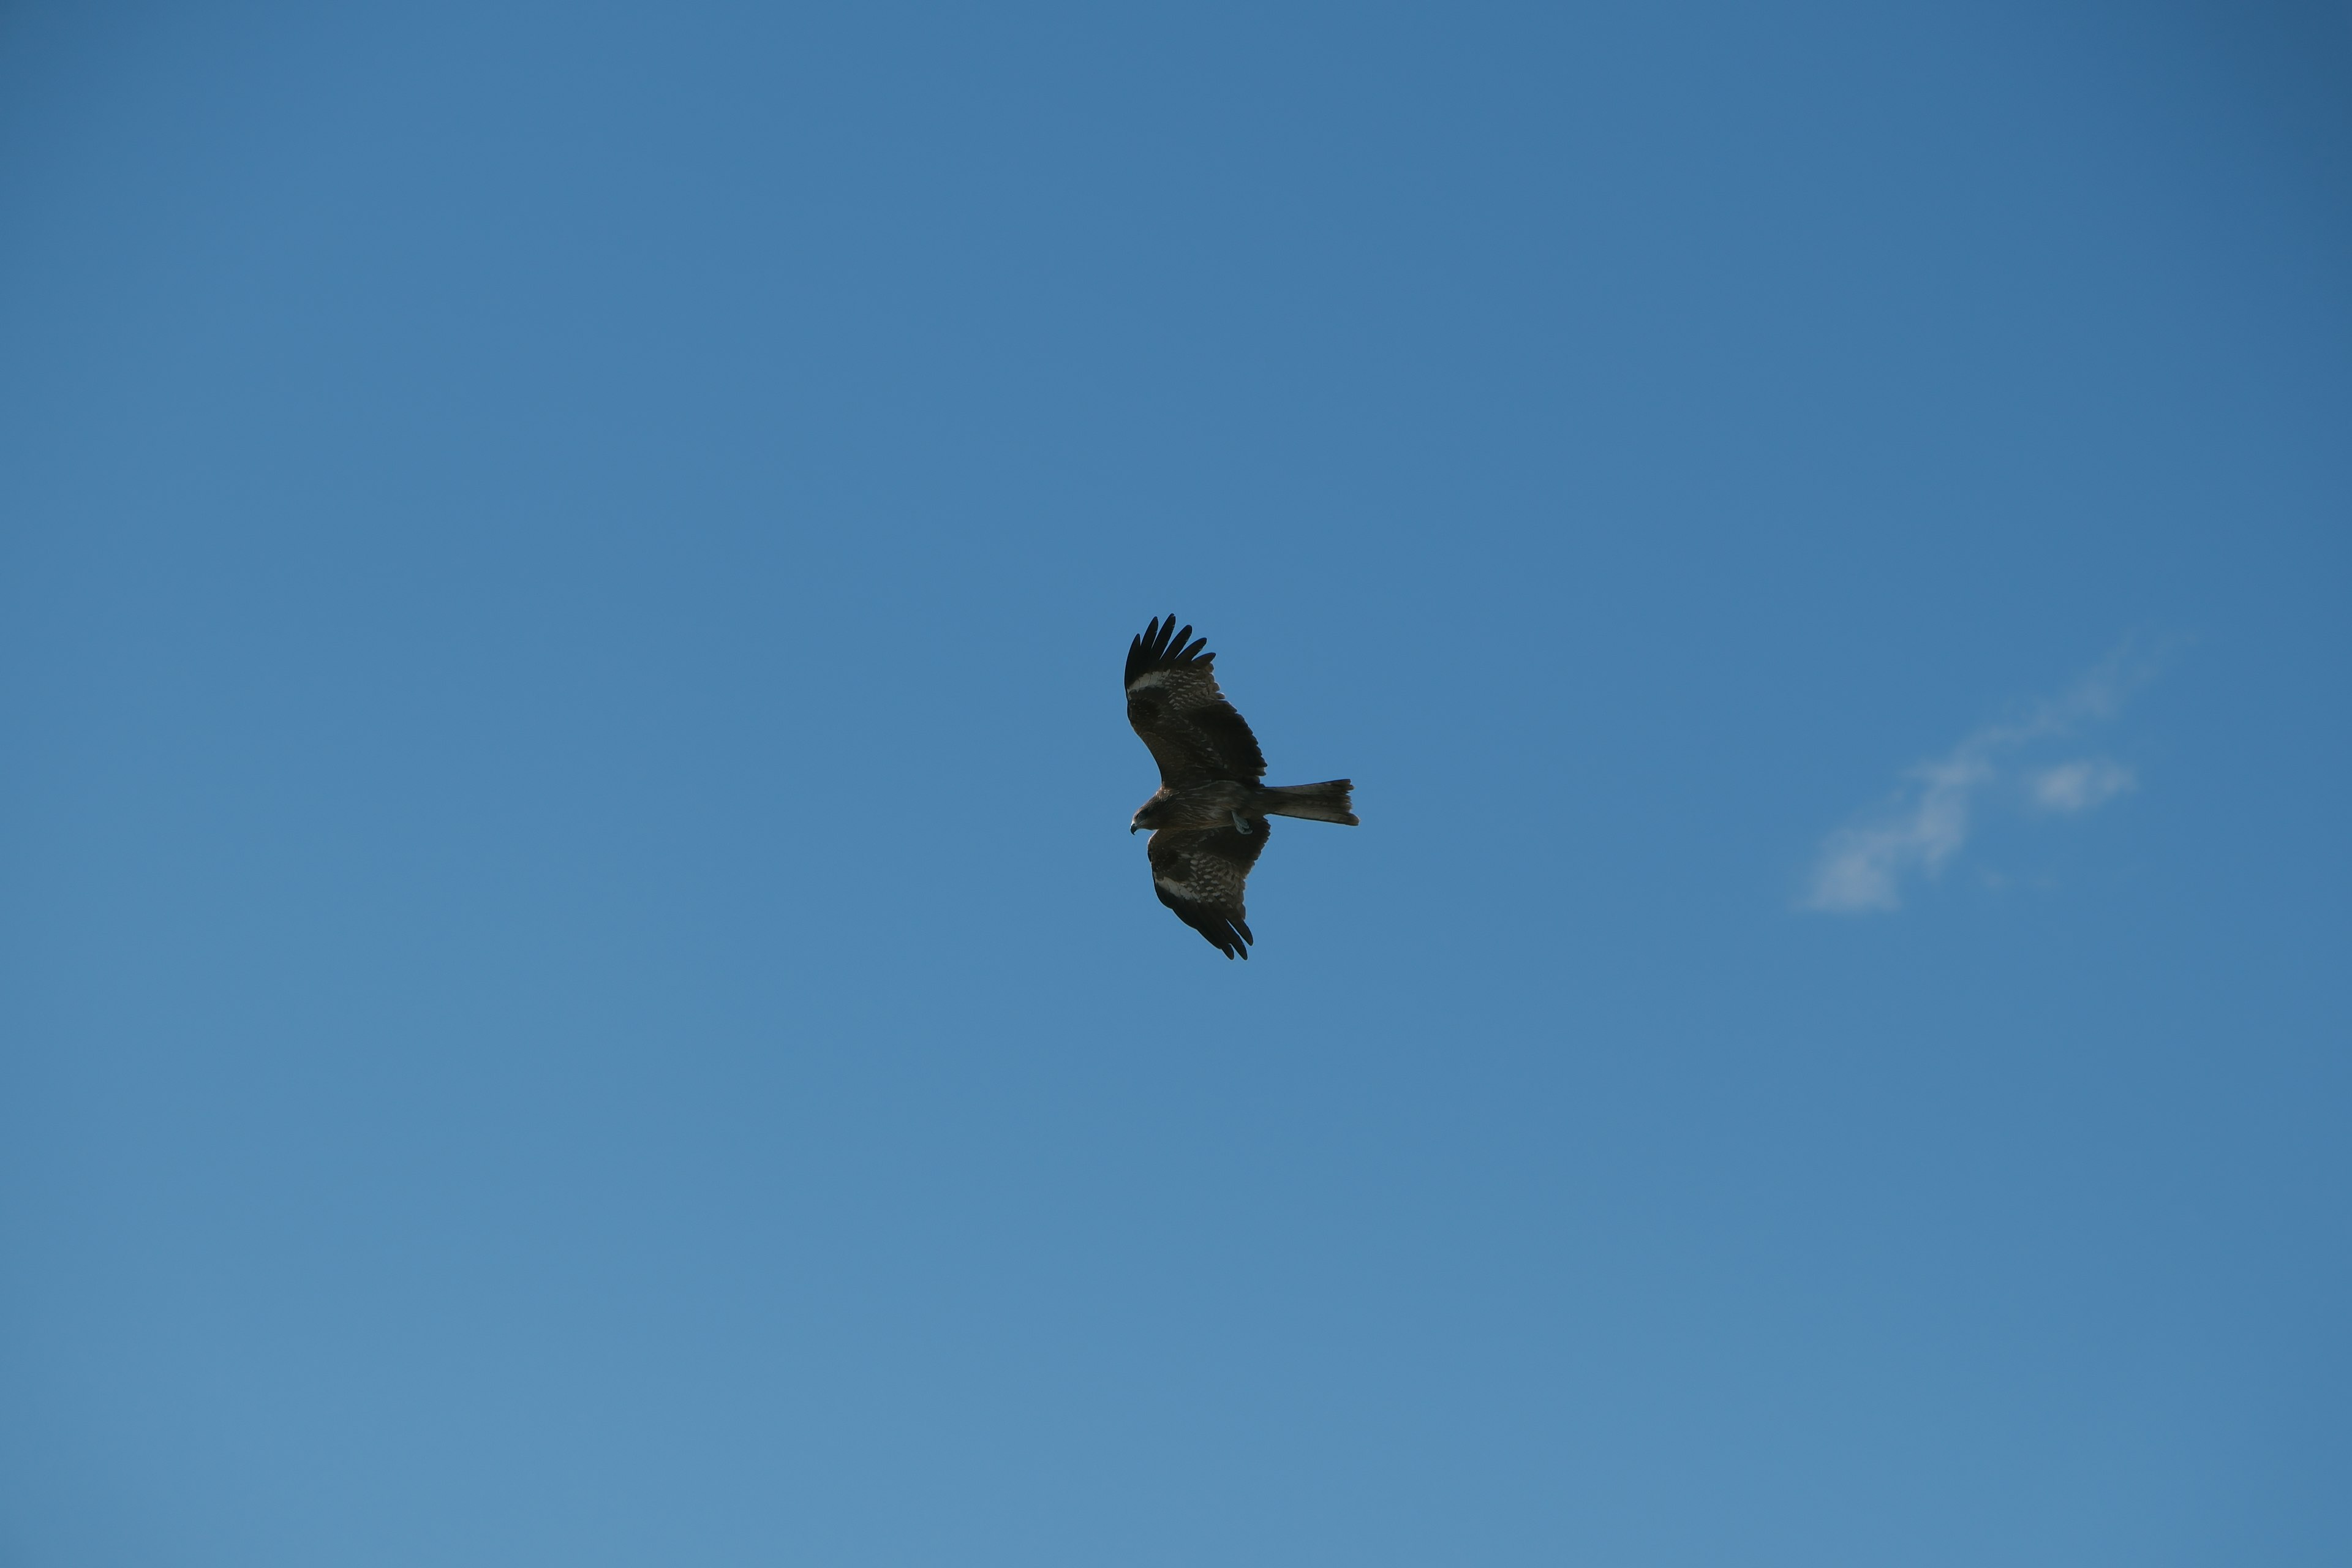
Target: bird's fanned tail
[[1316, 801]]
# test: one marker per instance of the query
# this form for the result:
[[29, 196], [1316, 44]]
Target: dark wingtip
[[1147, 649], [1163, 646], [1228, 936]]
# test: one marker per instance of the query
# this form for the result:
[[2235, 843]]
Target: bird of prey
[[1208, 819]]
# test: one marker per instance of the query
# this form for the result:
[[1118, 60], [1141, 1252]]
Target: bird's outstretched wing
[[1174, 704], [1200, 873]]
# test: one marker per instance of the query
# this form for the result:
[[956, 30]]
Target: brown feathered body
[[1216, 803], [1209, 814]]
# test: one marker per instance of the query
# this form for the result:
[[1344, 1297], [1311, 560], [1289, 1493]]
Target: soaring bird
[[1208, 818]]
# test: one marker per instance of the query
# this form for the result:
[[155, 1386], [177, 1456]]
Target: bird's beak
[[1131, 828]]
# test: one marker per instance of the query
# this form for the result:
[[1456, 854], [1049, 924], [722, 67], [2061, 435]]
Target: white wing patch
[[1210, 882], [1183, 689]]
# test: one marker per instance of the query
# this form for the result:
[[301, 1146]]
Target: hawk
[[1208, 819]]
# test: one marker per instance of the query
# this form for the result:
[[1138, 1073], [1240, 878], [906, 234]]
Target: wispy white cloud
[[2081, 785], [1863, 867]]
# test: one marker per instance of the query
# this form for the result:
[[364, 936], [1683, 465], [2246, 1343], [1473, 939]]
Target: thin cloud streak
[[2082, 785], [1861, 868]]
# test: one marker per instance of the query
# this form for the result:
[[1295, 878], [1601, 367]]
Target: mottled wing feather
[[1174, 704], [1199, 875]]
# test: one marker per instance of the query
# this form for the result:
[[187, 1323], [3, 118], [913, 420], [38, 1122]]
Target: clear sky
[[576, 988]]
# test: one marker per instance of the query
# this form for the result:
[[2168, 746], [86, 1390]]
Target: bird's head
[[1149, 816]]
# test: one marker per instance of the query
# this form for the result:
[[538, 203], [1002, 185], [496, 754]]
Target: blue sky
[[576, 987]]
